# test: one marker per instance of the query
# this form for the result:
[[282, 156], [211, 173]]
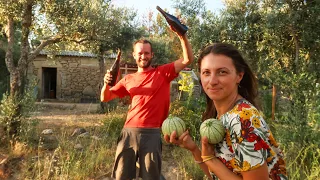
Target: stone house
[[68, 76], [71, 76]]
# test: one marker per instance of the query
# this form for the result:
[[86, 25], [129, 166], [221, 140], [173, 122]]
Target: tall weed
[[93, 161], [21, 125]]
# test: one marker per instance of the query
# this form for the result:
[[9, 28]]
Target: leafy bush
[[191, 112], [15, 113], [296, 126], [113, 123]]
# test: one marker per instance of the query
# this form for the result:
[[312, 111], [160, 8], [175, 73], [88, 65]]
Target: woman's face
[[219, 77]]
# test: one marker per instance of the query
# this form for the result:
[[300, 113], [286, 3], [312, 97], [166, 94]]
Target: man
[[149, 89]]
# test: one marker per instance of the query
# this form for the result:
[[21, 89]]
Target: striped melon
[[171, 124], [213, 129]]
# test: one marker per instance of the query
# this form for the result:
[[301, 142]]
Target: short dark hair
[[248, 87], [143, 41]]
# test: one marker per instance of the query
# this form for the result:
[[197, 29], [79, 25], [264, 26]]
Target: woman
[[248, 150]]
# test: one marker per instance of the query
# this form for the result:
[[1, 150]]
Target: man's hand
[[107, 77]]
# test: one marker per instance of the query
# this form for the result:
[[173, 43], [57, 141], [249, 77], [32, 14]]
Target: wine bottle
[[174, 22], [114, 69]]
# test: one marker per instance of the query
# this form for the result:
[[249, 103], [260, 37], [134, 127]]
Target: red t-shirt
[[150, 95]]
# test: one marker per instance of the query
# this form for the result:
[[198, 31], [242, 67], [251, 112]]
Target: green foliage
[[8, 108], [266, 102], [97, 26], [190, 112], [186, 83], [162, 51], [303, 161], [114, 122], [9, 119], [4, 85], [110, 106]]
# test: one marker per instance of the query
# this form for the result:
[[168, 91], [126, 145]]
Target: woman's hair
[[248, 87]]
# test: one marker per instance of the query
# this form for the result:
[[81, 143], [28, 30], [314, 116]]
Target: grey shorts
[[140, 145]]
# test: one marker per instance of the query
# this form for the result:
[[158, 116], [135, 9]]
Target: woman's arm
[[260, 173], [186, 142], [214, 164], [197, 157], [223, 173]]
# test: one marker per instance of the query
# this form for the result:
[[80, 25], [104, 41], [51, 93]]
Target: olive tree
[[97, 26]]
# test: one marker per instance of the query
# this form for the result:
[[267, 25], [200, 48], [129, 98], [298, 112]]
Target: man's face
[[142, 54]]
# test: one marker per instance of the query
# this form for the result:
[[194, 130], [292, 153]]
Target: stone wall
[[79, 80], [77, 77]]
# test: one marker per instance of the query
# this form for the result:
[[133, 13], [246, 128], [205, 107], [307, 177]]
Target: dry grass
[[64, 162]]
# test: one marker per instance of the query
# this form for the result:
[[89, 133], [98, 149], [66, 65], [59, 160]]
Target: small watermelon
[[173, 123], [213, 129]]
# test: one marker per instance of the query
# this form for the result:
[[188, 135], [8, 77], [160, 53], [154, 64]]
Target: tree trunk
[[17, 71], [15, 83], [13, 119]]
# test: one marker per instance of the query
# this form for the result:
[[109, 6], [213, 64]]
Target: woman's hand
[[185, 140], [207, 149]]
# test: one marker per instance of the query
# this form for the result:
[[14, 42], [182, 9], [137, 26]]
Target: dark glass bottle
[[114, 69], [174, 22]]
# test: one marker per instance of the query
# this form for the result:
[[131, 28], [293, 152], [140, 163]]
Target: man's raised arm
[[187, 54]]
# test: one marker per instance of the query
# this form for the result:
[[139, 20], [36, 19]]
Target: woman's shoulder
[[244, 105], [242, 109]]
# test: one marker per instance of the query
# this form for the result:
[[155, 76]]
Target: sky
[[143, 6]]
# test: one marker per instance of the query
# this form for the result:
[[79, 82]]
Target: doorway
[[49, 83]]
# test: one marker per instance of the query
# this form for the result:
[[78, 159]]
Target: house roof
[[73, 53]]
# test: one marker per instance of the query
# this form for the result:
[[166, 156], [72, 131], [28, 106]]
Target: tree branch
[[42, 45], [81, 40], [87, 39]]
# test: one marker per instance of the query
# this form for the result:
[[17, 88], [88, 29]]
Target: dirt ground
[[53, 115]]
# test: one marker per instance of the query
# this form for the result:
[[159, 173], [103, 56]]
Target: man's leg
[[150, 154], [126, 155]]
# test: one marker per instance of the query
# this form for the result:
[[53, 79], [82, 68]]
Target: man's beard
[[145, 65]]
